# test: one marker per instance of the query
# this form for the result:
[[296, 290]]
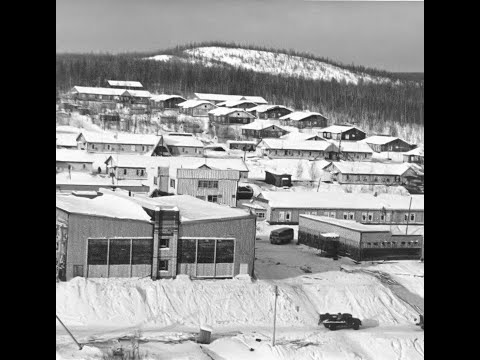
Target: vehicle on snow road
[[339, 321]]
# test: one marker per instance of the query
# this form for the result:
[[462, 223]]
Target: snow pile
[[127, 302], [271, 63]]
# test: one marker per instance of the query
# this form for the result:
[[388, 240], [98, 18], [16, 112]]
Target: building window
[[119, 252], [142, 251], [364, 216], [261, 215], [163, 265], [370, 216], [389, 217], [326, 213], [97, 252], [124, 171], [172, 183], [132, 147], [208, 184], [84, 166], [405, 217], [333, 215], [412, 217], [347, 136], [77, 270], [183, 149], [288, 216], [382, 217], [212, 198], [345, 216], [164, 243], [351, 216]]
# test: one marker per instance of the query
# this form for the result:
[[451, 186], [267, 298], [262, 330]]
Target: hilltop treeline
[[372, 104]]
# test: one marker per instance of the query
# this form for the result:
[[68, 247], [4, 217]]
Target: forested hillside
[[392, 106]]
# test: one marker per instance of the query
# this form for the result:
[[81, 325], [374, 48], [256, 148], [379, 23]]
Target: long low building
[[114, 235], [284, 207], [105, 142], [284, 149], [362, 241]]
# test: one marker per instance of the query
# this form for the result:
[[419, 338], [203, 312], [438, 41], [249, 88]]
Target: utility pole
[[275, 315], [408, 217], [69, 333]]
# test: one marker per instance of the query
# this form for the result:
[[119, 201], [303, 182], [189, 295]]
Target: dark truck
[[339, 321], [281, 236]]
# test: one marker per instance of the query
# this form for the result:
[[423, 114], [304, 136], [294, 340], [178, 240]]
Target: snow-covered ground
[[271, 63]]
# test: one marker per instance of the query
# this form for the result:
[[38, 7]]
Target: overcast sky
[[388, 35]]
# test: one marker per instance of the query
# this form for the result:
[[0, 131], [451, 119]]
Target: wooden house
[[229, 116], [353, 150], [369, 173], [122, 84], [157, 237], [244, 145], [74, 160], [383, 143], [304, 119], [255, 209], [84, 95], [196, 107], [360, 241], [265, 112], [414, 156], [262, 129], [282, 149], [164, 101], [237, 104], [284, 207], [173, 145], [278, 179], [116, 143], [343, 132], [219, 98]]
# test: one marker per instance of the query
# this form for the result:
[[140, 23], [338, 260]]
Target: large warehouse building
[[114, 235]]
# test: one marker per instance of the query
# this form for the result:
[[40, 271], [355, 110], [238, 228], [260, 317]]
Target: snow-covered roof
[[66, 139], [221, 111], [300, 115], [193, 103], [185, 141], [402, 229], [104, 205], [98, 90], [66, 155], [136, 84], [337, 200], [353, 146], [139, 93], [349, 224], [223, 97], [298, 145], [338, 129], [299, 136], [417, 152], [250, 142], [262, 108], [370, 168], [262, 124], [119, 138], [66, 129], [235, 103], [381, 140], [253, 206], [163, 97]]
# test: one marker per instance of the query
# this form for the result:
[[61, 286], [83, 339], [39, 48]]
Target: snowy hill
[[275, 63]]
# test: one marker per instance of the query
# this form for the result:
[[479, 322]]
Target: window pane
[[186, 251], [97, 251], [164, 243], [225, 250], [206, 251], [142, 252], [119, 252]]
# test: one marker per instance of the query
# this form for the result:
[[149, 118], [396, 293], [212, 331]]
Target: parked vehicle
[[281, 236], [339, 321], [244, 193], [420, 323]]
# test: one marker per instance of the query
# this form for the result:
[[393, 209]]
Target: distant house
[[238, 104], [277, 178], [121, 84], [343, 132], [282, 149], [260, 129], [116, 143], [304, 119], [74, 160], [255, 209], [381, 143], [285, 207], [219, 98], [244, 145], [84, 95], [227, 116], [414, 156], [265, 112], [174, 145], [195, 107], [353, 150], [369, 173], [164, 101]]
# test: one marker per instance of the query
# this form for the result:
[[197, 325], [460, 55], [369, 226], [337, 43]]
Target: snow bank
[[135, 302]]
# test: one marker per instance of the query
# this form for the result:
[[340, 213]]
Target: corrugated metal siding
[[207, 174], [82, 227]]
